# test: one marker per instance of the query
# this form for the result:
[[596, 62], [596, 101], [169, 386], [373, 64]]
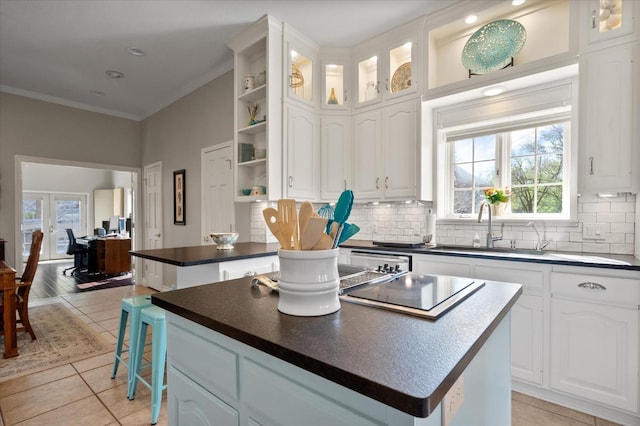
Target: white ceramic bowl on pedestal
[[225, 240], [309, 282]]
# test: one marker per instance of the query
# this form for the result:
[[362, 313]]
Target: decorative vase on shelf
[[333, 100], [498, 209]]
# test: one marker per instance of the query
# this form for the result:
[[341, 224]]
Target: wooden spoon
[[306, 211], [324, 243], [313, 231]]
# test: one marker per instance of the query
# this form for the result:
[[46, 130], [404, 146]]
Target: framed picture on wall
[[179, 202]]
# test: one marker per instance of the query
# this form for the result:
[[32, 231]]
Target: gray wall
[[40, 129], [175, 136]]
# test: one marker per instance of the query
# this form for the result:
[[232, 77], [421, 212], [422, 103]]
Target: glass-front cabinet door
[[607, 19], [335, 79], [387, 72], [300, 60], [368, 81], [400, 69]]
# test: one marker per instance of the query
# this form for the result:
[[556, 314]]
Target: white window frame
[[525, 107]]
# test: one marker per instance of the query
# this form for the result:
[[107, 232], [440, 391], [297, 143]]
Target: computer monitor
[[122, 225], [113, 224]]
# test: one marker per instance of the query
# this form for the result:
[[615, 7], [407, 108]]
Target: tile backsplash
[[402, 222]]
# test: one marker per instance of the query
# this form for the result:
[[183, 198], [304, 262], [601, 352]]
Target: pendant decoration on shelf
[[333, 100], [493, 46], [297, 81], [401, 79]]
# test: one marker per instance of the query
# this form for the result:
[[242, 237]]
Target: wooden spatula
[[272, 218], [312, 233], [289, 222]]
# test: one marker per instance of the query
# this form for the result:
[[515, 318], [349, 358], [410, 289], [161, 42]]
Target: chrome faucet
[[490, 237], [539, 243]]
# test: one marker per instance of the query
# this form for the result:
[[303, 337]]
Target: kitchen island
[[196, 265], [233, 358]]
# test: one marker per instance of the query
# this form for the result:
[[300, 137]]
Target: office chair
[[78, 251]]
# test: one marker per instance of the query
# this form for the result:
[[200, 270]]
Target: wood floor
[[50, 281], [96, 399]]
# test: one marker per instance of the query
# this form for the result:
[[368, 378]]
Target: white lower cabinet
[[574, 331], [191, 405], [594, 338]]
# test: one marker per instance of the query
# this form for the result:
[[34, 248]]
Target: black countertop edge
[[201, 255], [415, 405], [634, 262]]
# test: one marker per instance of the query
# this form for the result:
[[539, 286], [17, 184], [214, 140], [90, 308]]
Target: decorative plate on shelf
[[401, 79], [493, 45]]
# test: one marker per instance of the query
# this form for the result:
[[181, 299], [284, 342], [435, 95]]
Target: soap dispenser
[[476, 240]]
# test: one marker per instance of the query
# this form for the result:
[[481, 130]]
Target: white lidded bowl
[[309, 282], [225, 240]]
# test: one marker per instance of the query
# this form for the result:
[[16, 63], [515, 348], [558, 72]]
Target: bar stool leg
[[158, 357], [136, 364], [123, 325]]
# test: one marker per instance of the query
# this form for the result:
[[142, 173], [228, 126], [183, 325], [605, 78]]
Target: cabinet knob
[[378, 87], [590, 165], [290, 181], [386, 182], [345, 95], [377, 183], [592, 286], [593, 19], [387, 85]]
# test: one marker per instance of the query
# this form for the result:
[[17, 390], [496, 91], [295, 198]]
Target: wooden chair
[[23, 285]]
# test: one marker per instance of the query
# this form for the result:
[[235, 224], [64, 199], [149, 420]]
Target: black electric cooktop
[[426, 296]]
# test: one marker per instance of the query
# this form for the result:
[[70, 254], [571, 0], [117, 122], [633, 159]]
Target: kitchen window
[[529, 160], [521, 141]]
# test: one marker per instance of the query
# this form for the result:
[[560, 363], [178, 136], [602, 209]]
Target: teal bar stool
[[130, 308], [155, 317]]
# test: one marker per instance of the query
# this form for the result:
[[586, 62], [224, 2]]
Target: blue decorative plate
[[493, 45]]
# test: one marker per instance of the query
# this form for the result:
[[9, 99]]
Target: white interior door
[[217, 190], [152, 271]]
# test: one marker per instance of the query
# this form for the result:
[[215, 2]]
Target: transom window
[[528, 159]]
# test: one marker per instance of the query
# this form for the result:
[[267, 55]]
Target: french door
[[53, 213]]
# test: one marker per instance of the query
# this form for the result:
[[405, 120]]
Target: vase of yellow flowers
[[498, 198]]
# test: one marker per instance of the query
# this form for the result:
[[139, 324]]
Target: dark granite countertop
[[591, 260], [405, 362], [199, 255]]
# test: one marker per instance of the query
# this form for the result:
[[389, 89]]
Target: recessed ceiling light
[[493, 91], [135, 51], [98, 93], [114, 74], [470, 19], [518, 2]]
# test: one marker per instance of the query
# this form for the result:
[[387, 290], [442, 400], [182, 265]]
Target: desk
[[8, 287], [108, 255]]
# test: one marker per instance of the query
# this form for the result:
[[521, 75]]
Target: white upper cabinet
[[335, 156], [608, 132], [605, 22], [388, 66], [385, 152], [303, 153], [300, 62]]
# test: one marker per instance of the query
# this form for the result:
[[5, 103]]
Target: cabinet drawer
[[209, 364], [532, 281], [239, 268], [620, 291]]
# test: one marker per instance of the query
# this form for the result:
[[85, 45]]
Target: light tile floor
[[83, 393]]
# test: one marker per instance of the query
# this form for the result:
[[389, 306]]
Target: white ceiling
[[59, 50]]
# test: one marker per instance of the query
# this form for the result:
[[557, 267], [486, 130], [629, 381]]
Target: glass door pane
[[33, 214], [68, 212], [400, 68], [301, 75], [334, 84], [368, 79]]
